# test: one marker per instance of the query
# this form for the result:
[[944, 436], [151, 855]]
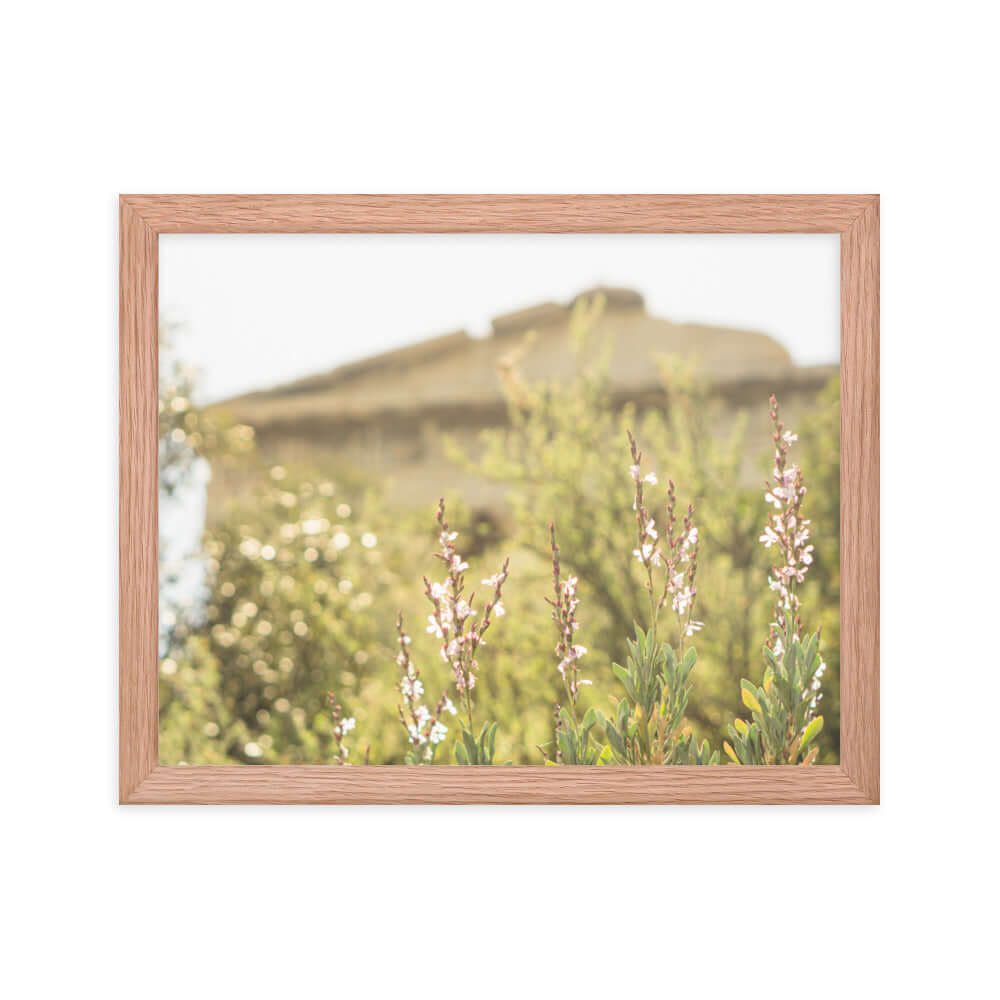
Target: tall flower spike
[[341, 727], [676, 551], [564, 615], [451, 619], [787, 532], [648, 550], [424, 727]]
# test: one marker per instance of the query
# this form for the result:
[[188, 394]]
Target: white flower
[[692, 627], [458, 565], [772, 499], [651, 530], [411, 687], [579, 651], [493, 580], [447, 537], [498, 609], [438, 732], [434, 628], [650, 478], [347, 725], [769, 537], [648, 553], [449, 706], [635, 472], [682, 600], [789, 438]]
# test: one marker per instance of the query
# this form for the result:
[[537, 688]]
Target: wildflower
[[450, 620], [412, 687], [769, 538], [678, 554], [682, 600], [340, 728], [786, 530], [422, 726], [648, 555], [564, 615]]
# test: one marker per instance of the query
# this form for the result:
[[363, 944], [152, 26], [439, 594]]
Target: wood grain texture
[[452, 785], [854, 217], [499, 213], [859, 501], [138, 579]]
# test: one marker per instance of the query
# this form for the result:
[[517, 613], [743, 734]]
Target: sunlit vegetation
[[645, 616]]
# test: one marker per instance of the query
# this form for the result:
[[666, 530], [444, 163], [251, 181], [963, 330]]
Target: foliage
[[309, 580], [650, 722], [294, 573], [784, 706], [784, 724], [558, 459]]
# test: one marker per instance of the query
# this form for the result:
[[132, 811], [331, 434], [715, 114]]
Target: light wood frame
[[854, 217]]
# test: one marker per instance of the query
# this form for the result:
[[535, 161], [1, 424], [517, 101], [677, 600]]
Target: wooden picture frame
[[144, 217]]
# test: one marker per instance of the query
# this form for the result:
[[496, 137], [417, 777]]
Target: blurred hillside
[[387, 415]]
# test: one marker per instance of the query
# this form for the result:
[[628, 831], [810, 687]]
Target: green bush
[[314, 587]]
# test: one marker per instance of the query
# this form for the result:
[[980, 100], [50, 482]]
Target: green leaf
[[813, 729], [615, 739], [749, 698], [566, 746], [623, 675], [470, 746]]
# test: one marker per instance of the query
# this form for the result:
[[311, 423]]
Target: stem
[[468, 702]]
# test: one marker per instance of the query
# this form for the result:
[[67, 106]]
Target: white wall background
[[170, 902]]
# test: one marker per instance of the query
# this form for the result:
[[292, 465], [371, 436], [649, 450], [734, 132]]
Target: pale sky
[[258, 310]]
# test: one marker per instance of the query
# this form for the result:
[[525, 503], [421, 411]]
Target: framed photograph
[[499, 499]]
